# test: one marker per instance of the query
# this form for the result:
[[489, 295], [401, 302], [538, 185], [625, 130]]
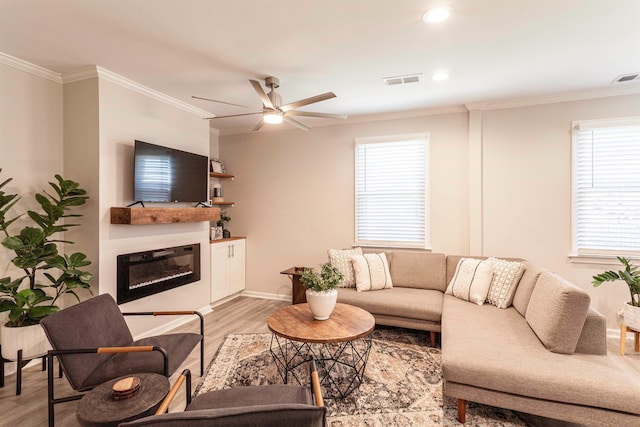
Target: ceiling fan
[[272, 109]]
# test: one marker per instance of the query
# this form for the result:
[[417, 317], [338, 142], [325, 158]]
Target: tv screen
[[163, 174]]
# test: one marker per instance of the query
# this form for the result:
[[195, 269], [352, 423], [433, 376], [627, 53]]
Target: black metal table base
[[341, 365]]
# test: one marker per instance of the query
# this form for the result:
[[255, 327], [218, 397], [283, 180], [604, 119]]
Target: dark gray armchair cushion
[[272, 405], [98, 322]]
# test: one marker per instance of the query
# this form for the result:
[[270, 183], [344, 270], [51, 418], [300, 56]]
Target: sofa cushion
[[421, 304], [471, 280], [506, 275], [593, 338], [341, 259], [525, 287], [557, 312], [489, 348], [371, 272], [423, 270]]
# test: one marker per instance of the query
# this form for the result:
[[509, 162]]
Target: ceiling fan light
[[437, 14], [272, 117]]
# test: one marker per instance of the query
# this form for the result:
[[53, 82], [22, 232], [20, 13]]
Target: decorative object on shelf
[[631, 276], [321, 290], [36, 255], [217, 166], [224, 218], [216, 232], [217, 193]]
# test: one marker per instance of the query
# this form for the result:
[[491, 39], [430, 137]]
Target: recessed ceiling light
[[439, 76], [437, 14]]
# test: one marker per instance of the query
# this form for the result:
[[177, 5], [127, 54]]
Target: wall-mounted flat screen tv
[[163, 174]]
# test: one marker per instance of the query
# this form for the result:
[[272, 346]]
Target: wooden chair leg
[[623, 337], [636, 341], [432, 336], [462, 410]]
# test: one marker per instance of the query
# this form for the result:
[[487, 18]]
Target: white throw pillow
[[372, 272], [471, 280], [341, 259], [506, 276]]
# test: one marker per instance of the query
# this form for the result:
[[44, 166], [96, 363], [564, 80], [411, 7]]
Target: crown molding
[[620, 90], [103, 73], [28, 67]]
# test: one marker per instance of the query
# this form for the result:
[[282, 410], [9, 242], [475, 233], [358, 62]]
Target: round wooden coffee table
[[98, 408], [340, 345]]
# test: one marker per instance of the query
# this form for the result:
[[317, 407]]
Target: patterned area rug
[[402, 384]]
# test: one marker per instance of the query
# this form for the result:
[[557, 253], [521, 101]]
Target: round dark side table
[[98, 408]]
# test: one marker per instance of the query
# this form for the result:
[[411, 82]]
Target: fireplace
[[141, 274]]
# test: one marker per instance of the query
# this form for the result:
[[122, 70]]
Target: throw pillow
[[506, 276], [341, 259], [372, 272], [471, 280]]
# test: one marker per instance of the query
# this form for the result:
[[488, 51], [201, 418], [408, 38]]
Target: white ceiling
[[494, 49]]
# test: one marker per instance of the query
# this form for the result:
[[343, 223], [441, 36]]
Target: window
[[606, 187], [391, 191]]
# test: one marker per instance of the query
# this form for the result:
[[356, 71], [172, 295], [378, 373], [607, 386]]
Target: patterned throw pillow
[[506, 276], [471, 280], [341, 259], [372, 272]]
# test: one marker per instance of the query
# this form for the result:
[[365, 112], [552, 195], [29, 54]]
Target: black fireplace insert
[[141, 274]]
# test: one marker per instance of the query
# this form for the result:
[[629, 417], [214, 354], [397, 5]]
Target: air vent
[[401, 80], [625, 78]]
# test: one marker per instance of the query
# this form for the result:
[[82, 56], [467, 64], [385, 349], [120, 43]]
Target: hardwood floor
[[241, 315]]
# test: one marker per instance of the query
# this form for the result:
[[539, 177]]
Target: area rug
[[402, 384]]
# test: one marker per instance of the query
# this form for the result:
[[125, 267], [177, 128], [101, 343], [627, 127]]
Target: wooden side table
[[298, 291], [98, 408], [623, 338]]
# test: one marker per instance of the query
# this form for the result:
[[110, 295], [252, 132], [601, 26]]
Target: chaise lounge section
[[545, 354]]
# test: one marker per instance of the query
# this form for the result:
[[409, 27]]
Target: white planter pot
[[30, 339], [632, 316], [322, 304]]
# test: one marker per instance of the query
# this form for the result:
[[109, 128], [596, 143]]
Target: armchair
[[269, 405], [93, 344]]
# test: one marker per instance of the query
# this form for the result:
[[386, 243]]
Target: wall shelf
[[220, 175], [162, 215]]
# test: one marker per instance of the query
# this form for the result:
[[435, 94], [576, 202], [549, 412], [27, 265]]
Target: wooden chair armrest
[[315, 384], [184, 376]]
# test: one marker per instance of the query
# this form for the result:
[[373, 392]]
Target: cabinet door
[[236, 267], [219, 265]]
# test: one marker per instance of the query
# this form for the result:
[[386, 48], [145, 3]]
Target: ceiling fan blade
[[307, 101], [220, 102], [258, 125], [233, 115], [296, 123], [310, 114], [261, 93]]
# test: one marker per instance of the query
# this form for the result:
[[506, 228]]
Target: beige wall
[[511, 167], [527, 188], [30, 142], [294, 191]]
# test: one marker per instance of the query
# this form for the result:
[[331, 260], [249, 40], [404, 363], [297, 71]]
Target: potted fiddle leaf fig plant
[[321, 290], [631, 276], [45, 274]]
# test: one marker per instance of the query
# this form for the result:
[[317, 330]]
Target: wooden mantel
[[163, 215]]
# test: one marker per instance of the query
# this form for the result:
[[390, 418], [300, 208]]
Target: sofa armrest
[[593, 338]]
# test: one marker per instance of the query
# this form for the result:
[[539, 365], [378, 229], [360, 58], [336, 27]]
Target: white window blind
[[606, 187], [392, 191]]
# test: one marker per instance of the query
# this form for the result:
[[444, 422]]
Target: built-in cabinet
[[227, 267]]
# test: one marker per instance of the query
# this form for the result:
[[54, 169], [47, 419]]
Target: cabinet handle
[[233, 251]]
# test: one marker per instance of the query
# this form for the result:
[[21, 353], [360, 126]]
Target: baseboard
[[613, 333], [179, 321], [264, 295]]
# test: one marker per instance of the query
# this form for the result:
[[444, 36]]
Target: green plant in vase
[[631, 276], [321, 291]]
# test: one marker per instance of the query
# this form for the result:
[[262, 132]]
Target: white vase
[[30, 339], [322, 303], [632, 316]]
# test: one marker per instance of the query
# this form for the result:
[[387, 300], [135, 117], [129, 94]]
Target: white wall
[[294, 191]]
